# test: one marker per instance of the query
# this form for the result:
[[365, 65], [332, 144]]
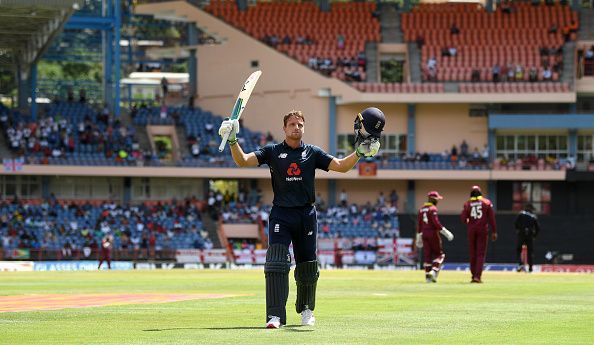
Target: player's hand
[[493, 237], [419, 241], [447, 233], [368, 147], [231, 127]]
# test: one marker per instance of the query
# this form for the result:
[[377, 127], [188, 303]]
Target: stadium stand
[[200, 130], [369, 221], [50, 225], [464, 42], [77, 134], [72, 133], [331, 42]]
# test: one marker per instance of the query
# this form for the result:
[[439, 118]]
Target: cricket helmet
[[369, 123]]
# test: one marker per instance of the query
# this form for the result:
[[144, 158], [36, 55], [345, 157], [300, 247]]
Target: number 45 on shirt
[[476, 211]]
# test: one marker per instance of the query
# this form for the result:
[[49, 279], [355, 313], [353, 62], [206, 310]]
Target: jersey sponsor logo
[[303, 154], [282, 155], [277, 227], [310, 233], [294, 170]]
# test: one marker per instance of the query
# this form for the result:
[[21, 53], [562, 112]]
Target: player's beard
[[295, 135]]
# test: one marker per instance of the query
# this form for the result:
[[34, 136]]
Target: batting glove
[[368, 148], [419, 242], [231, 127], [447, 233]]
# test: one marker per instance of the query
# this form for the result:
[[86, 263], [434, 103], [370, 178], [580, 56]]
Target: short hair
[[293, 113]]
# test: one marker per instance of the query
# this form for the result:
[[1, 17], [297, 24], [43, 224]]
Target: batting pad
[[276, 270], [306, 277]]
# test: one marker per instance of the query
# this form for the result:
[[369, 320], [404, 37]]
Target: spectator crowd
[[78, 227]]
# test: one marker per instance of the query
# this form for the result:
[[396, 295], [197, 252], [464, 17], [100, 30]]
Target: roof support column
[[410, 197], [33, 84], [572, 143], [492, 143], [117, 59], [23, 88], [332, 125], [411, 129]]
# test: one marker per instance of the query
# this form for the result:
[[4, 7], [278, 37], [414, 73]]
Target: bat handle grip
[[224, 141]]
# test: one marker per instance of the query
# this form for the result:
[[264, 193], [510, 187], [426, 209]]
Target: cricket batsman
[[428, 230], [478, 215], [293, 217]]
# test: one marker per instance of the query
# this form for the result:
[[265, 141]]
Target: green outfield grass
[[353, 307]]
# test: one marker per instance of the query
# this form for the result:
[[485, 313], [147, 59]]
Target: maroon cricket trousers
[[477, 245]]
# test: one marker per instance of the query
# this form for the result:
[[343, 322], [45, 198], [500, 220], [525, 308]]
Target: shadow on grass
[[168, 329], [289, 328]]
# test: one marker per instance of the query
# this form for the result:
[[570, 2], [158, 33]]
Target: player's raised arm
[[343, 164], [241, 158]]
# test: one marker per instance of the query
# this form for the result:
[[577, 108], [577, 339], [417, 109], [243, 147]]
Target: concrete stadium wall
[[106, 187], [439, 126], [362, 191], [261, 173]]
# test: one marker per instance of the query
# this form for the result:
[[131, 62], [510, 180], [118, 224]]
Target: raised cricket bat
[[240, 103]]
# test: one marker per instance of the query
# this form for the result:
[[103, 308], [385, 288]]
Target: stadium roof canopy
[[27, 27]]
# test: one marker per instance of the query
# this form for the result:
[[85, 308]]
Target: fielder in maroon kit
[[105, 249], [428, 231], [478, 215]]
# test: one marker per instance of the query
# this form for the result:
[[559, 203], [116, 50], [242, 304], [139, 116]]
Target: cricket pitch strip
[[21, 303]]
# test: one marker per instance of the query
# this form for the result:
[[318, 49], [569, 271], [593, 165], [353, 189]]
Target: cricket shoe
[[274, 322], [307, 318], [435, 275], [430, 277]]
